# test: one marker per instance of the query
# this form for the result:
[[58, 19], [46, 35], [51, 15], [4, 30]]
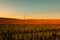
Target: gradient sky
[[33, 9]]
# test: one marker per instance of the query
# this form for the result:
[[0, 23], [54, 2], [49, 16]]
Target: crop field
[[29, 32]]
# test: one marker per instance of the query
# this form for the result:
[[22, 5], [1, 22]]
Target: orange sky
[[32, 9]]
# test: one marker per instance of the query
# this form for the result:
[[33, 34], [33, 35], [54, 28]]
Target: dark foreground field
[[29, 32], [15, 29]]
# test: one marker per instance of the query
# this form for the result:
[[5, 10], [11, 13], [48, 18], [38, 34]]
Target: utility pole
[[24, 18]]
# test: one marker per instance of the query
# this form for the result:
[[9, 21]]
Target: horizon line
[[32, 18]]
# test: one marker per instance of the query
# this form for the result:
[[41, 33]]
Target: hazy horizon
[[32, 9]]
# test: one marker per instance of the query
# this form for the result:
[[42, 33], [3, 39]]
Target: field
[[29, 32]]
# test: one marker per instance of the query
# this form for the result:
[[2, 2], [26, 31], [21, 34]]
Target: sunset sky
[[33, 9]]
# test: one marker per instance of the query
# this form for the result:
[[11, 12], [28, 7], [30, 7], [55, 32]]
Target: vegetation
[[29, 32]]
